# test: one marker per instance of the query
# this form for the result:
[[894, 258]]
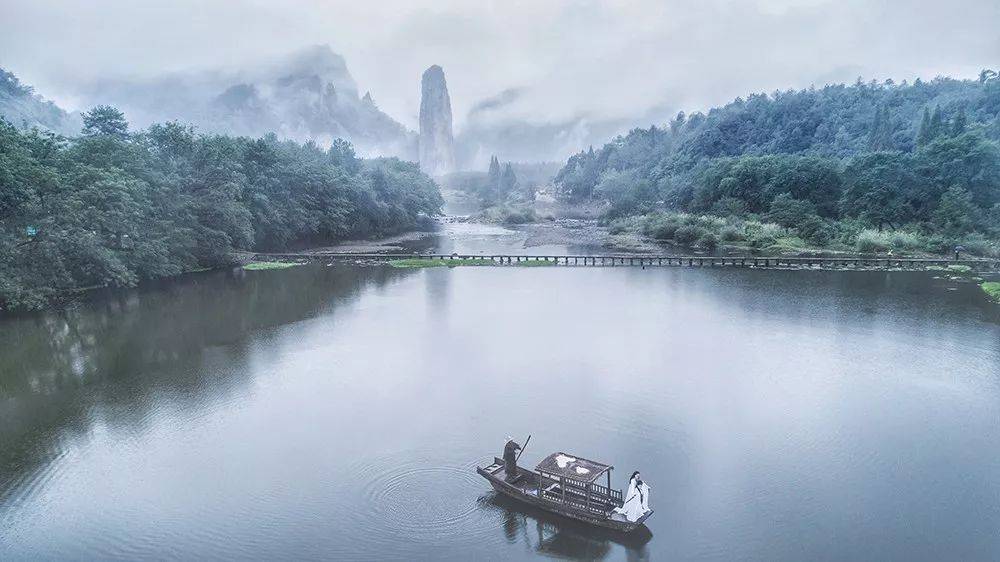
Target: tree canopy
[[112, 207], [883, 153]]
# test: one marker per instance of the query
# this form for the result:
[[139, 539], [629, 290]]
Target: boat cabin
[[574, 482]]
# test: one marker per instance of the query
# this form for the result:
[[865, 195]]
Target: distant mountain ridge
[[309, 95], [493, 126]]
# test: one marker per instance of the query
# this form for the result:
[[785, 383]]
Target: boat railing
[[584, 496], [615, 495], [600, 509]]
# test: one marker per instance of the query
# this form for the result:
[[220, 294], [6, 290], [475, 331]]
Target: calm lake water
[[338, 413]]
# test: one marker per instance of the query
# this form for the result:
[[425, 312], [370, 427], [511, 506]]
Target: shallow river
[[338, 413]]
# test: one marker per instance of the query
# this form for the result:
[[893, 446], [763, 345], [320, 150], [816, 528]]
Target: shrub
[[977, 244], [707, 222], [519, 215], [623, 225], [661, 226], [663, 231], [731, 234], [790, 212], [871, 241], [708, 241], [618, 226], [762, 234], [992, 290], [815, 230], [688, 234], [847, 230], [902, 240], [938, 244]]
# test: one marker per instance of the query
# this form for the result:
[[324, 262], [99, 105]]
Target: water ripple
[[417, 497]]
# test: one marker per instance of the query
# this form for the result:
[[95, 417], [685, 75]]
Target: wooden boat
[[567, 485]]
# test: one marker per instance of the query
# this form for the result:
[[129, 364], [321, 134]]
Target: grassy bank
[[709, 232], [992, 290], [268, 265], [511, 213], [426, 262]]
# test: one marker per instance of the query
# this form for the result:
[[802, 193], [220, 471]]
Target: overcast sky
[[611, 59]]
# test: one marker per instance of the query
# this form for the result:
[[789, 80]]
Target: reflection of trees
[[560, 537], [124, 352]]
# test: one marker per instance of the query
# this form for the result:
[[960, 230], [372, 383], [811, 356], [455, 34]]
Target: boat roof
[[572, 466]]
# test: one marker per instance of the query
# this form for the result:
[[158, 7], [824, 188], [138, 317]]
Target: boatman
[[510, 459]]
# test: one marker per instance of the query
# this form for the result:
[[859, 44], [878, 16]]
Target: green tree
[[924, 134], [494, 185], [508, 181], [937, 125], [105, 120], [956, 214], [729, 207], [880, 137], [790, 212], [878, 187], [969, 161], [342, 154], [959, 124]]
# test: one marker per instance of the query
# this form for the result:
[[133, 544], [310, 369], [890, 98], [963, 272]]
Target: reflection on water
[[339, 412], [120, 356]]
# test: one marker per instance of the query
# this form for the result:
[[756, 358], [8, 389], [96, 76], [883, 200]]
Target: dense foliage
[[921, 157], [113, 207]]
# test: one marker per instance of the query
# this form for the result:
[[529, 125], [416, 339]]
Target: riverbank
[[585, 223], [467, 237], [711, 234], [992, 290], [561, 236]]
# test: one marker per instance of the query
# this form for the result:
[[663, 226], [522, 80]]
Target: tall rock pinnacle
[[437, 145]]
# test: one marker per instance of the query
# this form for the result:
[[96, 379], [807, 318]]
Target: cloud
[[610, 59]]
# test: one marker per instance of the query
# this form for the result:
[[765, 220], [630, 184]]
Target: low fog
[[571, 72]]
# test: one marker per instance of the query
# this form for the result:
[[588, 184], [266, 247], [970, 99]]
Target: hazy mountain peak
[[312, 65], [21, 106], [306, 95]]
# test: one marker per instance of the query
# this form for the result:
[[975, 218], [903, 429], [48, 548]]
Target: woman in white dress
[[636, 499]]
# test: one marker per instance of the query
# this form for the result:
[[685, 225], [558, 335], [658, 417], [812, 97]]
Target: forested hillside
[[824, 164], [113, 207], [20, 105]]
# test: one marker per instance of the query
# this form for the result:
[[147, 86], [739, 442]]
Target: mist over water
[[338, 412]]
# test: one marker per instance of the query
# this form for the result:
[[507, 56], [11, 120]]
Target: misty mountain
[[309, 95], [20, 105], [497, 126]]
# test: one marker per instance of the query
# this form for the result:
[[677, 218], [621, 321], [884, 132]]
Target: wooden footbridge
[[646, 260]]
